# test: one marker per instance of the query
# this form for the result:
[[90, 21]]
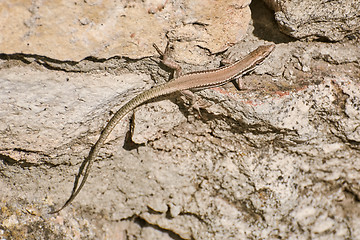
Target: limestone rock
[[320, 19], [279, 160], [74, 30]]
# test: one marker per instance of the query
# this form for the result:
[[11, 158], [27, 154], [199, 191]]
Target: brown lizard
[[183, 83]]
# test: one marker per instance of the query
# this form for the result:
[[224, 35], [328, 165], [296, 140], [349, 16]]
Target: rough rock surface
[[74, 30], [277, 160], [320, 19]]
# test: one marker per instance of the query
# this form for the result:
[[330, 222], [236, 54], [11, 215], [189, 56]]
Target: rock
[[283, 155], [276, 160], [321, 19], [167, 117], [72, 31]]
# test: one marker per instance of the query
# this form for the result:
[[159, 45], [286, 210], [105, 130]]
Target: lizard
[[180, 83]]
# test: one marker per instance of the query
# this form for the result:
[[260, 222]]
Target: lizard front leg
[[238, 83], [167, 61]]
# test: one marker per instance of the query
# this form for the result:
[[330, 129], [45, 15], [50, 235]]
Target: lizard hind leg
[[195, 102]]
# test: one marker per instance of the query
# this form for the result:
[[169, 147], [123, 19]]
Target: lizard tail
[[87, 164]]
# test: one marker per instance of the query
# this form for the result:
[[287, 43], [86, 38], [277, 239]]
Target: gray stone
[[277, 160], [320, 19]]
